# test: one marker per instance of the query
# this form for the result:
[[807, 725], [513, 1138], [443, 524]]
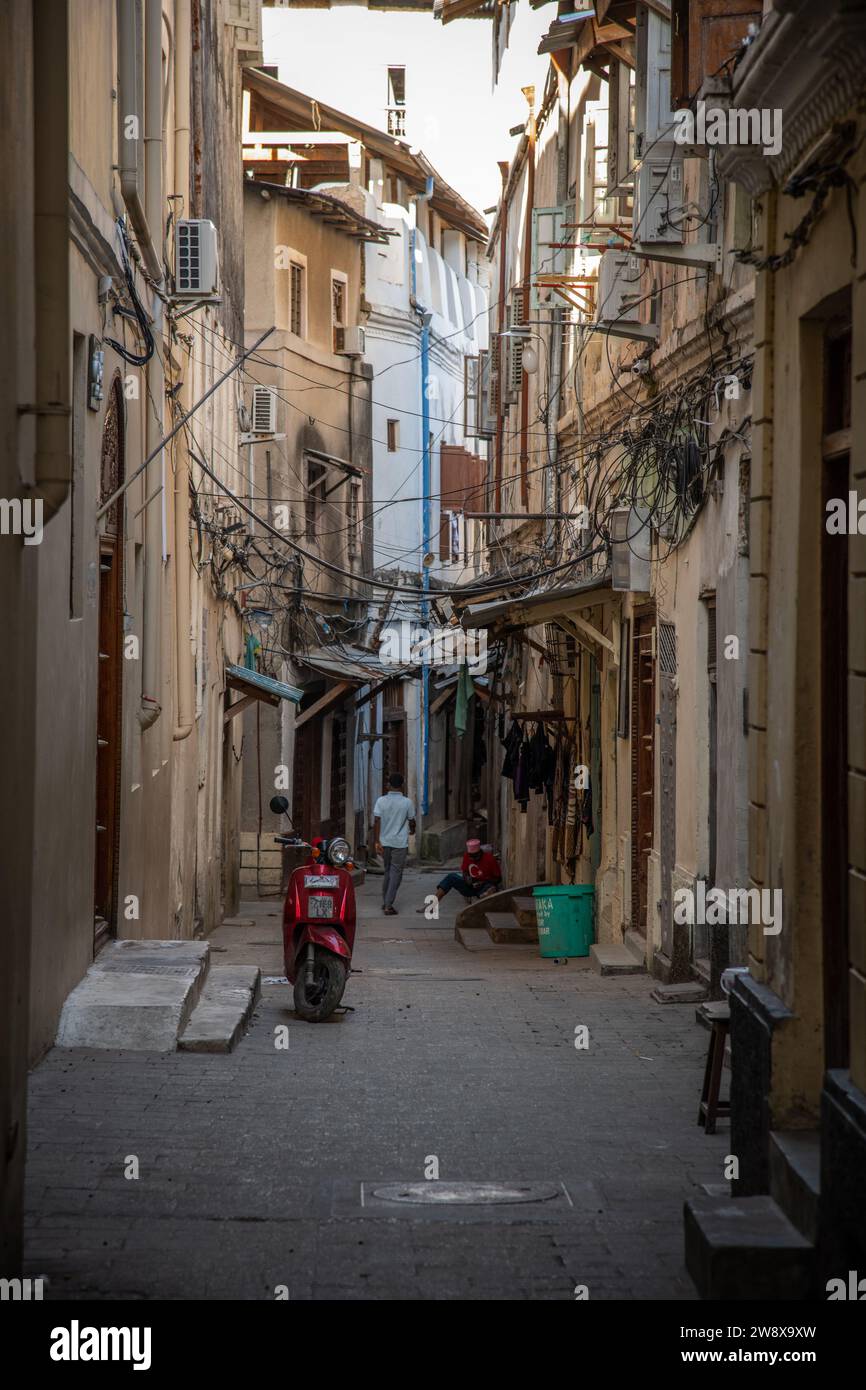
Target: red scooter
[[318, 922]]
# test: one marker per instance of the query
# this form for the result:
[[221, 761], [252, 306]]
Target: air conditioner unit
[[630, 549], [264, 410], [196, 271], [658, 202], [618, 288], [354, 342]]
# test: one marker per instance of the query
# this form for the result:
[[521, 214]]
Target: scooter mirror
[[279, 805]]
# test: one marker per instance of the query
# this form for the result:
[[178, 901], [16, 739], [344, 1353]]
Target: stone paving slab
[[250, 1163]]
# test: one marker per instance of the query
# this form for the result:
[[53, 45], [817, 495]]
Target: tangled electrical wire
[[137, 314], [664, 463], [819, 180]]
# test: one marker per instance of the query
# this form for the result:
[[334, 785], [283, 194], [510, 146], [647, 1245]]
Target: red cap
[[473, 846]]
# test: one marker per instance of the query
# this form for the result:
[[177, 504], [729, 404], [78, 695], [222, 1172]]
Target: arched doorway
[[110, 675]]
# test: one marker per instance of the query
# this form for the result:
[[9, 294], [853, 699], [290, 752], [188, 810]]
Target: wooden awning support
[[334, 696]]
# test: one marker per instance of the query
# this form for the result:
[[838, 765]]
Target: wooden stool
[[718, 1016]]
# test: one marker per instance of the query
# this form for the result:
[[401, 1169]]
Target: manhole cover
[[466, 1193]]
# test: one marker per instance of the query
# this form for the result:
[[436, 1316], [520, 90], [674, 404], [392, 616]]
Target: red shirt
[[486, 869]]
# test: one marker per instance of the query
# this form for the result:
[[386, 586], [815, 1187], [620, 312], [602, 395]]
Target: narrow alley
[[433, 591], [260, 1169]]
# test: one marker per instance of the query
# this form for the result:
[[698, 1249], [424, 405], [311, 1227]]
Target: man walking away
[[394, 820], [479, 874]]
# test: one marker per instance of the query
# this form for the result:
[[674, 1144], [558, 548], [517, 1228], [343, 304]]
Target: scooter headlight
[[339, 852]]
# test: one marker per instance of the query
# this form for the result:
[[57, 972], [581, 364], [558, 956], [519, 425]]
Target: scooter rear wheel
[[318, 1001]]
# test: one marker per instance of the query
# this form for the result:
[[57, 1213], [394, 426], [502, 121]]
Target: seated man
[[479, 874]]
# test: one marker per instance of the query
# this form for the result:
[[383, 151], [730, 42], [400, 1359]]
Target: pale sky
[[341, 56]]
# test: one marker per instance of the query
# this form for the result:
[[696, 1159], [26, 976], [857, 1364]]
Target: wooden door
[[667, 728], [307, 785], [642, 766], [337, 807], [109, 679], [834, 705], [393, 733]]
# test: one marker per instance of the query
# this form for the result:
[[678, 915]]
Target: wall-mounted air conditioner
[[630, 549], [264, 410], [196, 269], [618, 288], [354, 342], [658, 200]]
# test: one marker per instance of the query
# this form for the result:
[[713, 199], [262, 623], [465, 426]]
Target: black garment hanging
[[539, 752], [521, 776], [511, 743]]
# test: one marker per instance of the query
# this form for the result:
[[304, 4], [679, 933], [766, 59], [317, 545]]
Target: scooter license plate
[[320, 905], [321, 881]]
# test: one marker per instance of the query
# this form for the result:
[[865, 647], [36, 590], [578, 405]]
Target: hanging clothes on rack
[[538, 751], [511, 743], [521, 776]]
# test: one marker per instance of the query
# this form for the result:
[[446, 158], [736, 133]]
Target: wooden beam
[[331, 697], [238, 707], [442, 698], [591, 632]]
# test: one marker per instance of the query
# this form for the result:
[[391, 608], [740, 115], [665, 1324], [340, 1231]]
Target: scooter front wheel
[[316, 1001]]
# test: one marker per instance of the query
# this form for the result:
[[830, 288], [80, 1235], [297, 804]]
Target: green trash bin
[[565, 919]]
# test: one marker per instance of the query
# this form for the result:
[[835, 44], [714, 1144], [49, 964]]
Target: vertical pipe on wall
[[527, 278], [425, 501], [151, 691], [53, 406], [185, 716]]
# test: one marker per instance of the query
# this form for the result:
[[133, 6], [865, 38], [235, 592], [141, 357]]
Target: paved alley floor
[[258, 1171]]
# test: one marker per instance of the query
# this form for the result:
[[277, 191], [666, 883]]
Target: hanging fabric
[[465, 693]]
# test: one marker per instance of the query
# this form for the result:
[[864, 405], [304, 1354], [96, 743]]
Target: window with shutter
[[514, 346], [706, 34], [315, 498], [339, 290], [654, 117], [470, 395], [296, 299]]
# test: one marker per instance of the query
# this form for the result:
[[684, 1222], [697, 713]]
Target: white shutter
[[654, 119]]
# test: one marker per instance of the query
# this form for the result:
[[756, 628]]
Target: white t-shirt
[[394, 811]]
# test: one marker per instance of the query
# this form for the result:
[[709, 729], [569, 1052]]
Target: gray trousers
[[395, 862]]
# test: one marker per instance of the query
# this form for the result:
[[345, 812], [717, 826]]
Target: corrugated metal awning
[[543, 606], [254, 685]]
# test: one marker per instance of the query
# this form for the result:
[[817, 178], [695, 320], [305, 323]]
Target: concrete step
[[475, 939], [136, 997], [795, 1177], [219, 1019], [745, 1248], [679, 994], [475, 911], [614, 960], [635, 944], [505, 930], [524, 910]]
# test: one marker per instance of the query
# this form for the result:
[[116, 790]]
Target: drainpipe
[[552, 491], [52, 406], [425, 507], [182, 606], [500, 415], [154, 486], [527, 277], [130, 105]]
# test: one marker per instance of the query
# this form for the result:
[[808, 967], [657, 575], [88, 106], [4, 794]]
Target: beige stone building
[[799, 1017], [122, 124]]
